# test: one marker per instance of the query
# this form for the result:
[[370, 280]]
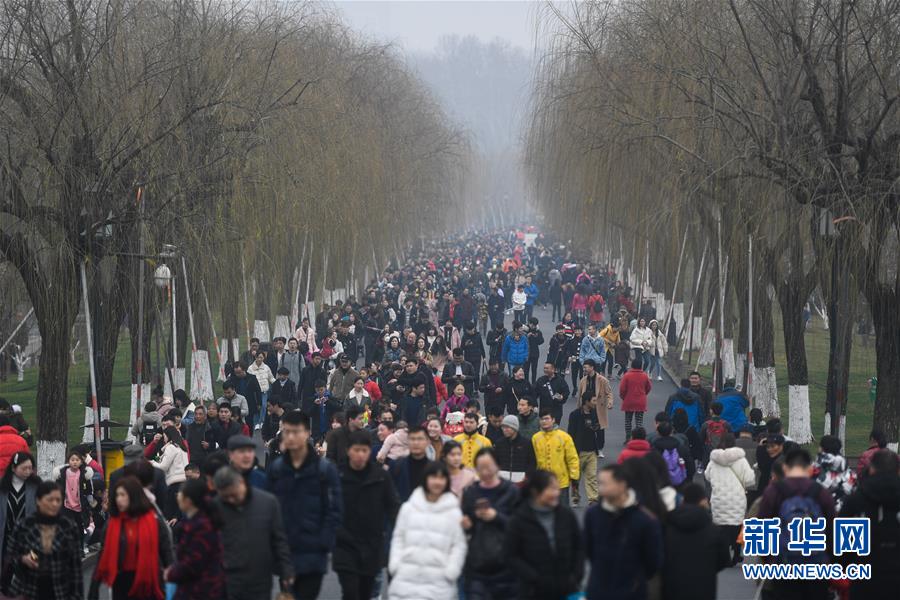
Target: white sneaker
[[600, 454], [258, 427], [659, 378]]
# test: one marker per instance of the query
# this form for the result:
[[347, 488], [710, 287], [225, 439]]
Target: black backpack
[[148, 430]]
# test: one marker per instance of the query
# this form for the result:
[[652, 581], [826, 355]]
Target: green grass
[[25, 392], [862, 367]]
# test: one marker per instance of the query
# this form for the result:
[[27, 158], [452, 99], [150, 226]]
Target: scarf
[[146, 577]]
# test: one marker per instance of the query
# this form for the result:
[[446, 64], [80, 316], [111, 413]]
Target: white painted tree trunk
[[697, 340], [765, 391], [261, 330], [201, 380], [178, 374], [708, 351], [739, 361], [798, 414], [224, 354], [729, 370], [842, 428], [21, 360], [678, 315], [282, 327], [88, 435], [51, 456], [235, 349]]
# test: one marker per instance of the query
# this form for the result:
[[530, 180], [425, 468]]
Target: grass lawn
[[25, 392], [862, 367]]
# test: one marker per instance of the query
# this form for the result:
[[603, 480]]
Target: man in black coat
[[370, 508], [535, 341], [459, 371], [473, 349], [552, 391], [494, 385], [515, 454], [496, 305], [692, 575], [247, 386], [199, 436], [283, 388], [311, 373]]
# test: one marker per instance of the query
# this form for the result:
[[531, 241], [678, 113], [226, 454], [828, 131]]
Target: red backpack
[[715, 429]]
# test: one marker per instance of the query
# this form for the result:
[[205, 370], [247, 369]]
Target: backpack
[[148, 430], [675, 466], [797, 506], [715, 429], [598, 306]]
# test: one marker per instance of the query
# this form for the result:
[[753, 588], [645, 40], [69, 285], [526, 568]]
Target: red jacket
[[634, 449], [10, 443], [373, 389], [633, 390]]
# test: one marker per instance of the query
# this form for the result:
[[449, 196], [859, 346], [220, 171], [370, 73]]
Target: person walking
[[593, 382], [197, 571], [18, 490], [640, 341], [515, 349], [543, 543], [370, 507], [657, 350], [172, 460], [633, 390], [514, 452], [729, 475], [554, 451], [428, 546], [46, 549], [623, 542], [692, 575], [132, 570], [308, 490], [584, 428], [487, 506], [552, 390]]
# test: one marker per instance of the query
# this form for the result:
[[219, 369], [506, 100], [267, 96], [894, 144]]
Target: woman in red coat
[[633, 390]]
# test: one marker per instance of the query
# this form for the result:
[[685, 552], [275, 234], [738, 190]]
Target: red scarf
[[146, 575]]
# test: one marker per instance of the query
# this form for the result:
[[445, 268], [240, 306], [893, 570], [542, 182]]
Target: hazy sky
[[417, 25]]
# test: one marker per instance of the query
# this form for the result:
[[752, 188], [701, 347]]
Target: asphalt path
[[732, 585]]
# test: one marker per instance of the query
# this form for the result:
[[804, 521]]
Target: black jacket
[[516, 455], [692, 575], [285, 393], [248, 387], [473, 348], [449, 377], [535, 341], [195, 435], [506, 498], [220, 434], [517, 389], [308, 377], [878, 498], [494, 339], [545, 571], [489, 383], [370, 503], [558, 352], [545, 388], [583, 428]]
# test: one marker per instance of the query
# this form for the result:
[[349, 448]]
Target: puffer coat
[[428, 549], [730, 475]]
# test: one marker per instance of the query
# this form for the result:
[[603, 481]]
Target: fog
[[477, 57]]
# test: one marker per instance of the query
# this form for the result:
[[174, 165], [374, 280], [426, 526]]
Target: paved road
[[732, 586]]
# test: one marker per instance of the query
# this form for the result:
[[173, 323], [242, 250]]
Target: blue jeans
[[653, 364], [264, 398]]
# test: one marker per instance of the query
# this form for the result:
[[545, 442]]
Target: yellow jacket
[[471, 444], [611, 337], [555, 452]]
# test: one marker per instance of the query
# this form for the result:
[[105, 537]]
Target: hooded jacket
[[514, 352], [690, 402], [633, 389], [692, 575], [734, 404], [633, 449], [428, 549], [555, 451], [729, 475]]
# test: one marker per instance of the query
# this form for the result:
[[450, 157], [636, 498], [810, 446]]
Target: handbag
[[486, 550]]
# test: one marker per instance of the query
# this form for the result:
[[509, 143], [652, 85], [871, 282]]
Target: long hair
[[175, 438], [643, 479], [138, 503], [197, 492], [17, 459]]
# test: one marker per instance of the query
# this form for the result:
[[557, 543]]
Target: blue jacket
[[311, 506], [531, 294], [514, 353], [734, 404], [690, 402], [592, 348], [624, 549]]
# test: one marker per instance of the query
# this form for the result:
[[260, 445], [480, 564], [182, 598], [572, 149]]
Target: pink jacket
[[633, 390], [395, 446], [454, 404]]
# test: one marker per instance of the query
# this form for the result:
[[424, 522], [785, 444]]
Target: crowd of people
[[420, 449]]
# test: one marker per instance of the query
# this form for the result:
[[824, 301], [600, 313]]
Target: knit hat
[[510, 421]]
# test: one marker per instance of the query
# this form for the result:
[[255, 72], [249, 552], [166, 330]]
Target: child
[[830, 470], [395, 445], [192, 471], [75, 482]]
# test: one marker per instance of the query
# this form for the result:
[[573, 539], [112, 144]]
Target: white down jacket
[[730, 475], [428, 549]]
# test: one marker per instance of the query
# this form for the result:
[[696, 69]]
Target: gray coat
[[292, 362], [30, 509], [256, 547]]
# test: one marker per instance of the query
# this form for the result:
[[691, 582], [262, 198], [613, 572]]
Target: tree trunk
[[791, 298], [884, 301], [764, 390]]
